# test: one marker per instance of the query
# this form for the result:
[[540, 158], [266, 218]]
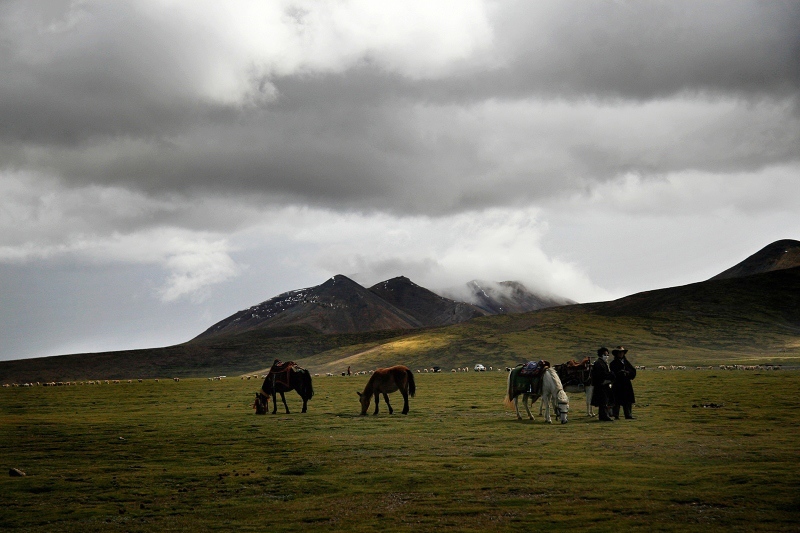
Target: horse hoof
[[564, 421]]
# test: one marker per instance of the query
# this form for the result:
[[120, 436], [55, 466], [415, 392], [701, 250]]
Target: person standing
[[601, 380], [624, 373]]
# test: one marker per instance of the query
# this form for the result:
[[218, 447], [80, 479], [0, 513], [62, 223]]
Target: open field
[[191, 455]]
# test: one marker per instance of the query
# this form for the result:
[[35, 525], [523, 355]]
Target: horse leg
[[589, 409], [283, 399], [547, 399], [404, 392], [300, 392], [386, 398], [527, 407], [516, 407], [377, 396], [274, 402]]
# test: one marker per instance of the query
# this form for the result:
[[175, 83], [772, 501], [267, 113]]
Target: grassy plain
[[191, 455]]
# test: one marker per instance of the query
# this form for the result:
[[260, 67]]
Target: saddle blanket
[[533, 368], [280, 372]]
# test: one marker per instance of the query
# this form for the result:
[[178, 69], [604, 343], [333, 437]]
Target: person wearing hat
[[624, 373], [601, 380]]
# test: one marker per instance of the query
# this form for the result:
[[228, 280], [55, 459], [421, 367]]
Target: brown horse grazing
[[283, 377], [385, 381]]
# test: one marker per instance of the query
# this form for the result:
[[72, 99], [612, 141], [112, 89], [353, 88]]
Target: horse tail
[[412, 387], [509, 389], [309, 388]]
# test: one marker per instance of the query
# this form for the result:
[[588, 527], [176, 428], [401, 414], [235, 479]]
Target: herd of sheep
[[366, 372]]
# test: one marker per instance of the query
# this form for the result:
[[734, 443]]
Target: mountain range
[[340, 305], [750, 312]]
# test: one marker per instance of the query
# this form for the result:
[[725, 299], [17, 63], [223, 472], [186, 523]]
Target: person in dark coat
[[624, 373], [601, 380]]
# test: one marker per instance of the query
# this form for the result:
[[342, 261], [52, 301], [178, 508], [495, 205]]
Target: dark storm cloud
[[654, 49], [72, 84], [112, 94], [438, 159], [608, 50]]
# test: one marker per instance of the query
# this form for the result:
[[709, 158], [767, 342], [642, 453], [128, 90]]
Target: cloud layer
[[211, 144]]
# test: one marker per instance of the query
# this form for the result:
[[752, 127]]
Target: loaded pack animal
[[532, 381], [283, 377], [577, 377], [386, 381]]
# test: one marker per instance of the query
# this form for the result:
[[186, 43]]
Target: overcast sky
[[164, 164]]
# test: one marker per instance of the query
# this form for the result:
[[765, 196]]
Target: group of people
[[612, 384]]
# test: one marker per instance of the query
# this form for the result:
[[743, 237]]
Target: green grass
[[192, 455]]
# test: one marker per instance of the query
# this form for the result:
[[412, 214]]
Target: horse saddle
[[534, 368], [280, 366], [573, 365], [280, 371]]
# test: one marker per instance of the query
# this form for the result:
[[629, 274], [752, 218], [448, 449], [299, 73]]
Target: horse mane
[[370, 381], [554, 375]]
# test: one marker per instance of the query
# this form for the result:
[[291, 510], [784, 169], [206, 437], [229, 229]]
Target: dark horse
[[385, 381], [577, 377], [283, 377]]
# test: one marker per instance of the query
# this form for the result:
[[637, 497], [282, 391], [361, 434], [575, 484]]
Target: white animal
[[552, 394]]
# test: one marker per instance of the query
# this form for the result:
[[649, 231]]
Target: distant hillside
[[505, 297], [754, 318], [777, 256]]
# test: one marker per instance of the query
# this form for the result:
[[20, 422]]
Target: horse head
[[261, 404], [364, 399]]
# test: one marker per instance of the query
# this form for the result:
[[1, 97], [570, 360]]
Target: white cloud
[[438, 253], [40, 220], [229, 52], [195, 265]]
